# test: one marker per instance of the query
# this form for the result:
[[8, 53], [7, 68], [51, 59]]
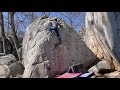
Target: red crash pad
[[69, 75]]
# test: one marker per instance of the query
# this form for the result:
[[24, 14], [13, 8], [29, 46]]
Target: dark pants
[[57, 32]]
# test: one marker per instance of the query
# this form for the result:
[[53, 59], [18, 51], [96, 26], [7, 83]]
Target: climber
[[54, 27]]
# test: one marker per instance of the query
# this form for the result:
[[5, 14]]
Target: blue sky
[[55, 14]]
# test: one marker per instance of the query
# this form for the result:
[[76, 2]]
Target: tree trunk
[[14, 35], [8, 24], [33, 17], [3, 33], [43, 13]]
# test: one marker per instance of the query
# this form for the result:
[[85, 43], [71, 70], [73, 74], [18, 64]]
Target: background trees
[[4, 44]]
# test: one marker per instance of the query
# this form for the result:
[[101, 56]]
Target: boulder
[[104, 64], [102, 30], [94, 69], [93, 76], [10, 67], [115, 74], [102, 67], [7, 59], [40, 56], [16, 69], [40, 71], [4, 71]]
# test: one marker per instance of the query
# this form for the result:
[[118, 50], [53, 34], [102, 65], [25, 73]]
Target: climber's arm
[[60, 25]]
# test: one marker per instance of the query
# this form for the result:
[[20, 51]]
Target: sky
[[55, 14]]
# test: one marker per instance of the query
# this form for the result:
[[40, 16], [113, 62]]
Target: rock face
[[101, 35], [42, 60]]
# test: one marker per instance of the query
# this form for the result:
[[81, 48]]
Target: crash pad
[[69, 75], [86, 74]]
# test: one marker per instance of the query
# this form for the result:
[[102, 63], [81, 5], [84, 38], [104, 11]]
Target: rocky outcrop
[[10, 67], [7, 59], [4, 71], [81, 32], [16, 68], [115, 74], [101, 67], [101, 35], [42, 59]]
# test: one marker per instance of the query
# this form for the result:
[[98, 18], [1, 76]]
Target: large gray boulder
[[102, 35], [42, 59]]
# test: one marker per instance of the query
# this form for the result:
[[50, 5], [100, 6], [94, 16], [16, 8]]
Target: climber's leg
[[49, 29], [58, 35]]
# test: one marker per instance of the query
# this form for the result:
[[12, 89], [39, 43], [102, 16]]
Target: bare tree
[[26, 18], [15, 38], [8, 24], [43, 13], [16, 22], [72, 18], [3, 33], [46, 13], [14, 35]]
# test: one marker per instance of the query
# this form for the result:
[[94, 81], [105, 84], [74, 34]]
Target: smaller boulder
[[7, 59], [93, 69], [16, 69], [103, 66], [4, 71], [115, 74], [40, 71]]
